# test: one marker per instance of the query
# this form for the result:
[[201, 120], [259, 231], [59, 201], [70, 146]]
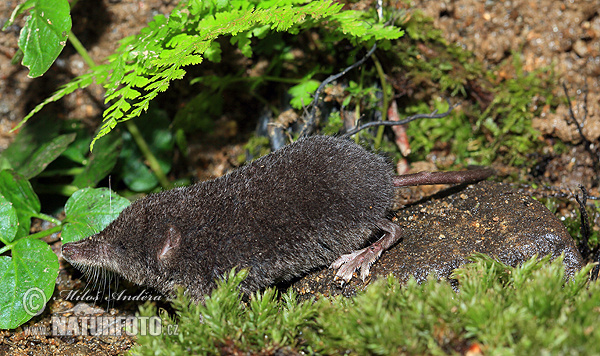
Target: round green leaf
[[8, 221], [26, 281], [89, 211]]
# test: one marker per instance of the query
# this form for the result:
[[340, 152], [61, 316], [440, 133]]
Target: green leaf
[[302, 93], [45, 154], [45, 35], [101, 161], [17, 190], [8, 221], [89, 211], [26, 281], [29, 139]]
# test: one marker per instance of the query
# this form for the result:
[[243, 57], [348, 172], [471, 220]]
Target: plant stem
[[152, 161], [386, 100], [65, 172], [282, 80], [81, 50], [48, 218], [64, 189], [45, 233], [131, 127], [5, 248]]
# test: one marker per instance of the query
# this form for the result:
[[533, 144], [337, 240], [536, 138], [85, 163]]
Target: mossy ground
[[499, 310]]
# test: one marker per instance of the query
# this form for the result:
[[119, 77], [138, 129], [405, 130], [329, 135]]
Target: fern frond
[[183, 49], [80, 82], [144, 65]]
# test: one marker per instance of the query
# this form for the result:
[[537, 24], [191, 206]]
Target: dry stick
[[585, 233], [433, 115], [311, 122], [585, 224], [587, 144]]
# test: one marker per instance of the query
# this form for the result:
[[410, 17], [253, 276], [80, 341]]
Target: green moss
[[431, 68], [502, 310], [256, 147]]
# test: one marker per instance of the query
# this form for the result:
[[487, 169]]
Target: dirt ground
[[561, 34]]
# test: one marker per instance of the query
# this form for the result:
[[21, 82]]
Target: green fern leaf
[[144, 65]]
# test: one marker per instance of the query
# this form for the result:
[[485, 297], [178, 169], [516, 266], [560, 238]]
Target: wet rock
[[441, 233]]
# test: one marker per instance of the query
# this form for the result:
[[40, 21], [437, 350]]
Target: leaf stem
[[48, 218], [64, 189], [81, 50], [283, 80], [45, 233], [131, 127], [64, 172], [150, 157]]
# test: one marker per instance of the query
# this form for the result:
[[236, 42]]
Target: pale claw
[[363, 259], [351, 262], [347, 264]]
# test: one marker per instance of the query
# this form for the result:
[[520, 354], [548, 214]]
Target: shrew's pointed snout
[[88, 252]]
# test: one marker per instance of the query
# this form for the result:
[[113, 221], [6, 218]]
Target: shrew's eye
[[121, 246]]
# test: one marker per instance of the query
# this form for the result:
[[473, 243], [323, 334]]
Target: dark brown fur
[[280, 216]]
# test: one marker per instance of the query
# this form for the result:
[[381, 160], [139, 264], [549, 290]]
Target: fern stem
[[150, 157], [81, 50], [386, 100]]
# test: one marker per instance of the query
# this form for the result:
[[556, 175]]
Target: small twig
[[311, 122], [585, 224], [572, 114], [584, 247], [433, 115], [587, 144], [385, 100]]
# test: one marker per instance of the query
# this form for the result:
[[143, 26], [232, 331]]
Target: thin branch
[[587, 144], [433, 115], [584, 247], [311, 122], [585, 224], [572, 114]]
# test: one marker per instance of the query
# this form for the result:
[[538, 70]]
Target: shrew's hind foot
[[363, 259]]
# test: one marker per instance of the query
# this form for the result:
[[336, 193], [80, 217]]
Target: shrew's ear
[[170, 244]]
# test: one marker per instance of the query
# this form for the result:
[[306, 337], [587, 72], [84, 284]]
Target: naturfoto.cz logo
[[104, 326]]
